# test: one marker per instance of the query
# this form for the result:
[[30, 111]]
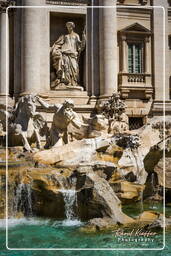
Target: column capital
[[123, 37], [4, 4], [147, 39]]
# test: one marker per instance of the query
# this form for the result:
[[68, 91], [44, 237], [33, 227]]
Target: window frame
[[142, 57]]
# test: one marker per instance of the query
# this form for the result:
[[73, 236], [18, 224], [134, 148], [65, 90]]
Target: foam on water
[[69, 223], [12, 222]]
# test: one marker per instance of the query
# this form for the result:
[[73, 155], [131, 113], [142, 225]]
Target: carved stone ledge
[[4, 4], [125, 91]]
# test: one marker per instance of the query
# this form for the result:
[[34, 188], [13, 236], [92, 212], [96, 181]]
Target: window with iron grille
[[135, 123], [135, 58]]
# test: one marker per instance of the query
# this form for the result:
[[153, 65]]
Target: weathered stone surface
[[132, 161], [46, 187], [148, 216], [159, 169], [99, 224], [127, 190], [45, 184], [96, 199], [73, 153], [159, 223], [150, 136], [126, 150]]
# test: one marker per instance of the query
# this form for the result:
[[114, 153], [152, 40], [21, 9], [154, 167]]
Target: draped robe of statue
[[65, 56]]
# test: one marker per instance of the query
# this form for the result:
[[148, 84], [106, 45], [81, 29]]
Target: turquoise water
[[134, 210], [40, 233], [46, 233]]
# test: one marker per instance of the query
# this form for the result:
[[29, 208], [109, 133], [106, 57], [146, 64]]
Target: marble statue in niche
[[65, 54]]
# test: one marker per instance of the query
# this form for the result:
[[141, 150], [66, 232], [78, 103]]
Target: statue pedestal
[[59, 95], [69, 88]]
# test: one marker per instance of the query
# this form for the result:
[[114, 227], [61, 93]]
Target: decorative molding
[[4, 4], [68, 2], [135, 30]]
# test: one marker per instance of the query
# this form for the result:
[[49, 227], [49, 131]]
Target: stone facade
[[127, 49]]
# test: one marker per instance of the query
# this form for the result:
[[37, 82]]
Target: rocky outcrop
[[132, 161], [127, 191], [99, 224], [73, 153], [148, 216], [96, 199], [127, 150], [160, 223], [159, 169]]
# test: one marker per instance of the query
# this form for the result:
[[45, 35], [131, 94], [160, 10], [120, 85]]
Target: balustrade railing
[[136, 78]]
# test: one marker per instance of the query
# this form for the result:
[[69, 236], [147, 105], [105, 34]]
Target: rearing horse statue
[[26, 125]]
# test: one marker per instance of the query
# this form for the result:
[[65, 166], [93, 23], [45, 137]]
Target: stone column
[[167, 60], [35, 48], [159, 21], [108, 48], [4, 77], [17, 52], [93, 50], [124, 55], [147, 53]]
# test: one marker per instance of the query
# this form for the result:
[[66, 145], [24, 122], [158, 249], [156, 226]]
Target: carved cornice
[[4, 4]]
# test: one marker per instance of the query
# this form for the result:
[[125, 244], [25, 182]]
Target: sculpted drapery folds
[[65, 54]]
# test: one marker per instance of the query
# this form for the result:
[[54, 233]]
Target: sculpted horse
[[26, 125]]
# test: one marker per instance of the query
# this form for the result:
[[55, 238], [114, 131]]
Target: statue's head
[[68, 104], [70, 26], [116, 95]]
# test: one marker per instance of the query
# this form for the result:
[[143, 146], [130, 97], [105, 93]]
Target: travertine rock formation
[[162, 170], [97, 199]]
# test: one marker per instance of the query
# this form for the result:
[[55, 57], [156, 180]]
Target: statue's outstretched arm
[[59, 42], [45, 104]]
